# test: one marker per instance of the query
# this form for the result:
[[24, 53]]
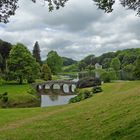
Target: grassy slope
[[111, 115], [18, 95]]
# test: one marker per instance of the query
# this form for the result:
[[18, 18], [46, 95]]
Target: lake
[[55, 99]]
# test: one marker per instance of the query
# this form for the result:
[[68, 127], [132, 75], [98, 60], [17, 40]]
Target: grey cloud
[[76, 30]]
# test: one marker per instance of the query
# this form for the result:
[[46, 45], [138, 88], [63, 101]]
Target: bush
[[88, 82], [4, 97], [84, 94], [81, 96], [106, 77], [97, 89]]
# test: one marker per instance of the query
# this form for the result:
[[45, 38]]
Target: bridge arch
[[66, 88], [47, 86], [56, 86], [72, 88], [39, 87]]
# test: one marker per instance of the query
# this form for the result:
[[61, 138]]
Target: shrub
[[97, 89], [84, 94], [81, 96], [4, 97]]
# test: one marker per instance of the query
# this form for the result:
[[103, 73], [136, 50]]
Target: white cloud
[[74, 31]]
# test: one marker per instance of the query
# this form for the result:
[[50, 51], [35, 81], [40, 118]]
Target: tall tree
[[54, 61], [46, 72], [8, 7], [115, 64], [21, 64], [36, 53]]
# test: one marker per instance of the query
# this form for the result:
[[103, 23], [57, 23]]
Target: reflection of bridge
[[63, 86]]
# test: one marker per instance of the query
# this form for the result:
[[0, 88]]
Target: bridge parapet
[[63, 85]]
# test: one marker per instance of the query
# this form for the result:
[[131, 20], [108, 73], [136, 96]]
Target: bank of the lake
[[19, 96], [113, 114]]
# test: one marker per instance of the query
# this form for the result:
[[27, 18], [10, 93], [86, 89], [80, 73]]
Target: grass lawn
[[113, 114], [18, 95]]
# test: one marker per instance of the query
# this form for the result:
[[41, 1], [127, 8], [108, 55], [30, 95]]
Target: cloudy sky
[[75, 31]]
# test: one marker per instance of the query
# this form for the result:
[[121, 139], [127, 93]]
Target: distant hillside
[[126, 57], [68, 61]]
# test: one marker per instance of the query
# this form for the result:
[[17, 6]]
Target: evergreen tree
[[5, 48], [36, 53]]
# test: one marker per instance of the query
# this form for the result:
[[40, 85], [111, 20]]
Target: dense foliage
[[54, 61], [46, 72], [85, 93], [21, 65], [121, 65]]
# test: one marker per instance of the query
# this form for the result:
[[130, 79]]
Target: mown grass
[[18, 95], [111, 115]]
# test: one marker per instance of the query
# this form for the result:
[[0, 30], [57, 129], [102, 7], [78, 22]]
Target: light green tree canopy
[[21, 64], [46, 72], [115, 64], [54, 61]]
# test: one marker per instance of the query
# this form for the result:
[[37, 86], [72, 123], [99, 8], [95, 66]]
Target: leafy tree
[[54, 61], [113, 74], [21, 64], [115, 64], [82, 65], [90, 60], [46, 72], [8, 7], [137, 68], [106, 63], [127, 73], [36, 53], [108, 55]]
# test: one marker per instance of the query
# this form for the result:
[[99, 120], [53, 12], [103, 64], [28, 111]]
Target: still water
[[52, 100], [57, 98]]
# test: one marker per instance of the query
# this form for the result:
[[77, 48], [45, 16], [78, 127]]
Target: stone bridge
[[67, 87]]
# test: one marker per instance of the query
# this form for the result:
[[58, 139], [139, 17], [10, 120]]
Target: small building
[[98, 66]]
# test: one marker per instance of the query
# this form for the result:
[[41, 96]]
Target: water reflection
[[56, 96], [55, 99]]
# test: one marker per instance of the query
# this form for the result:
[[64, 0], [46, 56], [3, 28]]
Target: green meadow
[[18, 95], [113, 114]]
